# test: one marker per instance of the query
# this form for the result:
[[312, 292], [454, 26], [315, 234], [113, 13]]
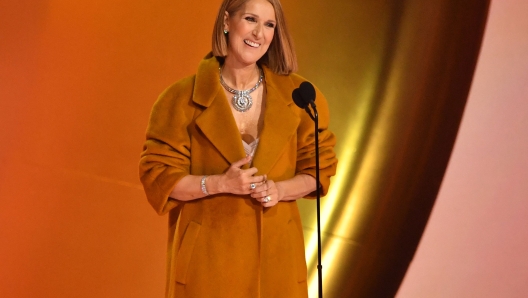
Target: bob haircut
[[280, 57]]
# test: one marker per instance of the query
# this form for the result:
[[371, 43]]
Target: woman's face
[[251, 31]]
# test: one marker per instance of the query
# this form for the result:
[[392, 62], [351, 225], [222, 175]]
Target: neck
[[240, 77]]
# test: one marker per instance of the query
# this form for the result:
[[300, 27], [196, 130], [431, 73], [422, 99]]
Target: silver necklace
[[241, 100]]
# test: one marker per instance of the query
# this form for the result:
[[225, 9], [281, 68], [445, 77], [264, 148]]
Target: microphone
[[304, 95], [298, 99]]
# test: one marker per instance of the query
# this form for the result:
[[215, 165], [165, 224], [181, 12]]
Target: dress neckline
[[251, 147]]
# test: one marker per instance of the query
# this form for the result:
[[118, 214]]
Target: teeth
[[252, 44]]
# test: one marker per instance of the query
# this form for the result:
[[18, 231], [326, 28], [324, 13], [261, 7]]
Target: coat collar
[[219, 126]]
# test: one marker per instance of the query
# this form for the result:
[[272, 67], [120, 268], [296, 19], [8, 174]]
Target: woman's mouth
[[251, 44]]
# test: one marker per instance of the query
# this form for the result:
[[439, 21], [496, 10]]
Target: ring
[[252, 186], [266, 199]]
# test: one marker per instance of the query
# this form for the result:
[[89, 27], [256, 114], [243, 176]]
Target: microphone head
[[307, 91], [298, 99]]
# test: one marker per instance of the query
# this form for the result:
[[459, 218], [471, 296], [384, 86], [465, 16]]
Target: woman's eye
[[250, 19], [270, 25]]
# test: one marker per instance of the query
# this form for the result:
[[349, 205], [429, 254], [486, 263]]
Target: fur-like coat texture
[[228, 245]]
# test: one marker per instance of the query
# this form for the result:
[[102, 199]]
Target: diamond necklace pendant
[[241, 100]]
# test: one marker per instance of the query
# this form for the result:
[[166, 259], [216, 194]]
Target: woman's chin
[[248, 59]]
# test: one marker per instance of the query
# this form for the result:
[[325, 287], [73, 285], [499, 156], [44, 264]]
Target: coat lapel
[[280, 122], [216, 121], [218, 125]]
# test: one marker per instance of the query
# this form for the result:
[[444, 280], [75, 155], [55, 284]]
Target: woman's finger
[[260, 190], [269, 188], [250, 172], [240, 163], [257, 180], [269, 201]]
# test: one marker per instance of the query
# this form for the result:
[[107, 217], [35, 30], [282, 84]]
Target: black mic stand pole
[[315, 118], [318, 193]]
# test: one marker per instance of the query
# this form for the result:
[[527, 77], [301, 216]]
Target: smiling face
[[251, 31]]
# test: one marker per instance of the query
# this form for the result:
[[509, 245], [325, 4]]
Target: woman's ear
[[226, 21]]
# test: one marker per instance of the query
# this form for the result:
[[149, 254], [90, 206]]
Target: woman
[[228, 154]]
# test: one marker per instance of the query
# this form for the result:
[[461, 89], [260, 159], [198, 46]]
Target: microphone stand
[[315, 118]]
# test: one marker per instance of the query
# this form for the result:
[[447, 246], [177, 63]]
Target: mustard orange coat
[[229, 245]]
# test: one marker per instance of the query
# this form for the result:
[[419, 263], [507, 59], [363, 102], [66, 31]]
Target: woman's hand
[[268, 193], [239, 181]]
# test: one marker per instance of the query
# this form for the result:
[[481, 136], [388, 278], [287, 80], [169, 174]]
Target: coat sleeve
[[306, 146], [166, 153]]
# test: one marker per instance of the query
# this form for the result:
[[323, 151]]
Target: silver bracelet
[[202, 184]]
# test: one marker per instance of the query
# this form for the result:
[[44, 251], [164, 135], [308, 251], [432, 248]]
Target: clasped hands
[[243, 181]]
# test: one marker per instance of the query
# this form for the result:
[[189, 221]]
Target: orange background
[[78, 80]]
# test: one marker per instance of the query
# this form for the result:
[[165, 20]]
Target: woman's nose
[[257, 30]]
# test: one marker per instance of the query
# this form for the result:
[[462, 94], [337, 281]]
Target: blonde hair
[[280, 57]]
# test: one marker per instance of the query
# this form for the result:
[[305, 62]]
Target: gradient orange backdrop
[[78, 79]]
